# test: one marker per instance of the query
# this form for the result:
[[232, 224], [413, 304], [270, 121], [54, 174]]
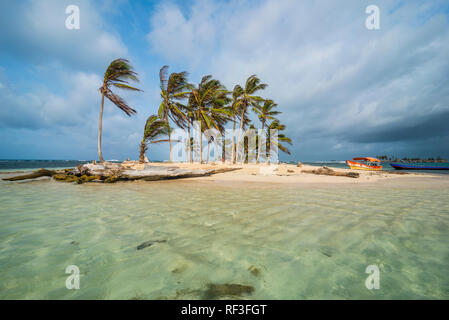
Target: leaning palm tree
[[265, 112], [173, 89], [281, 138], [118, 74], [208, 100], [248, 98], [155, 128], [189, 112], [235, 109]]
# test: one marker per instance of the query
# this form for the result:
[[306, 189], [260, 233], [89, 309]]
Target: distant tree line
[[405, 159]]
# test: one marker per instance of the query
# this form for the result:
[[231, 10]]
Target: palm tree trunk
[[142, 151], [169, 138], [258, 149], [223, 148], [216, 150], [268, 145], [201, 146], [100, 123], [190, 142], [242, 119], [233, 141]]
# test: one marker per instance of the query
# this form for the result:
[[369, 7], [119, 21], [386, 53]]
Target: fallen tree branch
[[36, 174], [329, 172]]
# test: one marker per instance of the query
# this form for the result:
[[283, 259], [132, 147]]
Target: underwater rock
[[149, 244], [326, 253], [85, 178], [66, 178], [180, 268], [73, 178], [254, 271], [215, 291], [112, 179]]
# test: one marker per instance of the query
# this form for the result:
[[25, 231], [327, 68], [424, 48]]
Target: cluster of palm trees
[[208, 104]]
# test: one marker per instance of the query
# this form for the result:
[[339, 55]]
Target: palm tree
[[173, 89], [189, 111], [276, 125], [265, 113], [236, 93], [118, 74], [248, 98], [154, 129], [208, 101]]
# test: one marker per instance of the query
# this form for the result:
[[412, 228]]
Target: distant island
[[411, 160]]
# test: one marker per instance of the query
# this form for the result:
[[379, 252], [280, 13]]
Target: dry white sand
[[260, 175], [292, 174]]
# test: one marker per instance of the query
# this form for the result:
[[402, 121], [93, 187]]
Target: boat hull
[[361, 166], [420, 166]]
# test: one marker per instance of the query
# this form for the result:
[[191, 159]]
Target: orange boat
[[364, 163]]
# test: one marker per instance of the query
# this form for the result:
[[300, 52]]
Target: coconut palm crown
[[265, 112], [248, 98], [155, 128], [281, 138], [173, 89], [118, 74], [208, 102]]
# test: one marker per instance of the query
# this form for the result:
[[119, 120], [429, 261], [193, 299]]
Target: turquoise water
[[306, 243]]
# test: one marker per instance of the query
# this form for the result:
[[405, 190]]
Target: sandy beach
[[260, 174]]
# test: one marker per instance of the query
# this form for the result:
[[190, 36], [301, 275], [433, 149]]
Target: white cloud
[[41, 108], [330, 75], [178, 36], [37, 32]]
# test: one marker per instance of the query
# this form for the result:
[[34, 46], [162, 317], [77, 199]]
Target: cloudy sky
[[344, 90]]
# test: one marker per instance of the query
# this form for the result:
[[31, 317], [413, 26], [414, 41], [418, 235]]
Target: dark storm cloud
[[431, 126], [342, 89]]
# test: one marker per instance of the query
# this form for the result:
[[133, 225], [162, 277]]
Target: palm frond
[[163, 77], [125, 87], [119, 102]]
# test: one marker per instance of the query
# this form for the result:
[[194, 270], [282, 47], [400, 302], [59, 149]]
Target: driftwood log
[[36, 174], [329, 172], [113, 172]]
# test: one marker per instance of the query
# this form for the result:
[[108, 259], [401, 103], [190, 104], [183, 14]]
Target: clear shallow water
[[307, 243]]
